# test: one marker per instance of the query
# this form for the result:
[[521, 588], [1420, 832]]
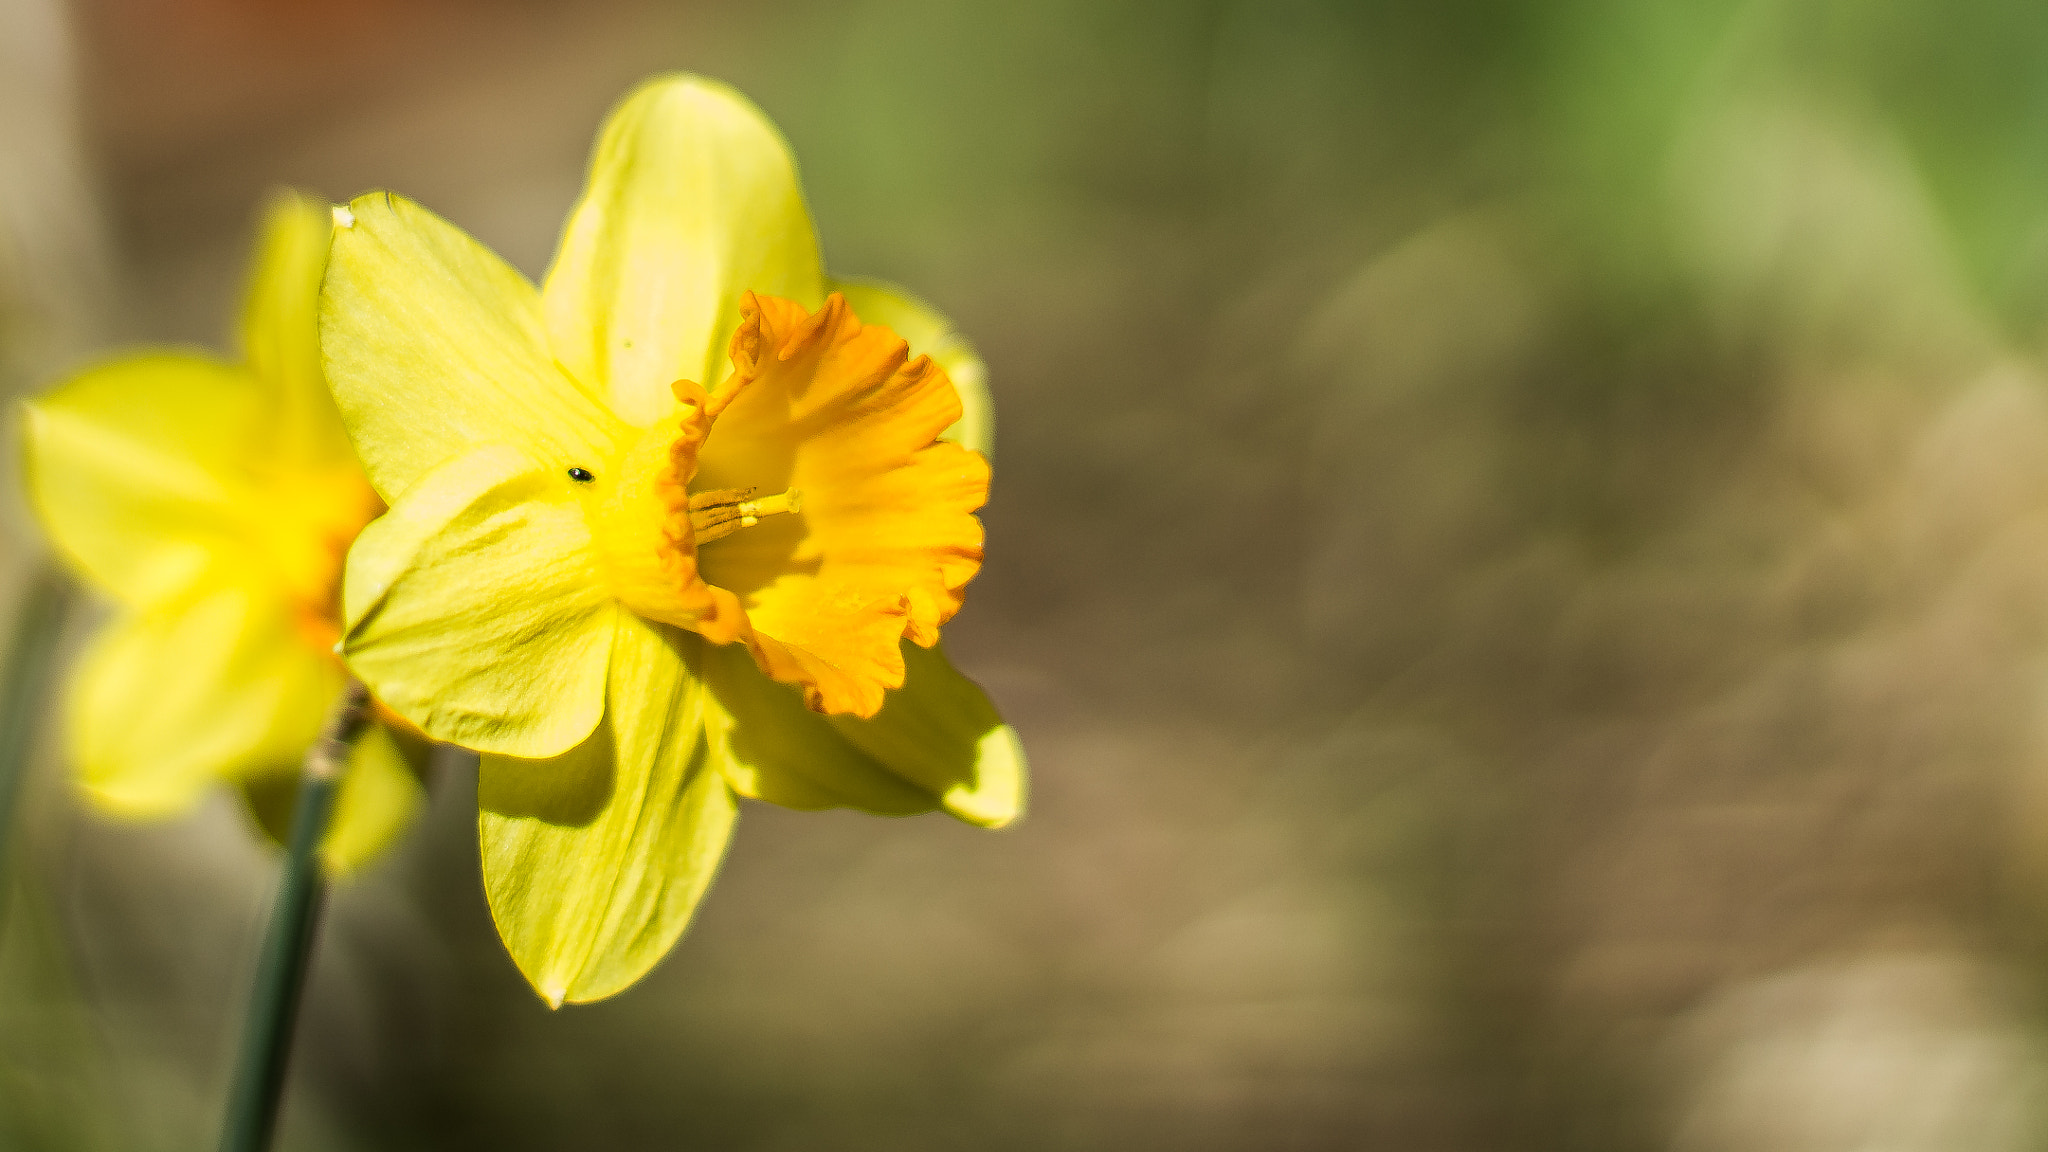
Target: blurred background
[[1519, 555]]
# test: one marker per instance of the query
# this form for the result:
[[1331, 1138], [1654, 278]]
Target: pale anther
[[722, 512]]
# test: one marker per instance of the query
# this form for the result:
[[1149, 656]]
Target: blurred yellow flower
[[214, 503], [623, 587]]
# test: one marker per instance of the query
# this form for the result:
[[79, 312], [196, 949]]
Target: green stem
[[24, 686], [288, 947]]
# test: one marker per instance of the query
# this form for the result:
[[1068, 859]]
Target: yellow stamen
[[724, 511]]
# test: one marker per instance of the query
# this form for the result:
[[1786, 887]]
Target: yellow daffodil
[[214, 503], [680, 524]]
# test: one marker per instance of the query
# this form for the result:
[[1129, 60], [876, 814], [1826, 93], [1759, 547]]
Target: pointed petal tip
[[343, 218], [982, 812], [981, 818], [996, 797], [555, 995]]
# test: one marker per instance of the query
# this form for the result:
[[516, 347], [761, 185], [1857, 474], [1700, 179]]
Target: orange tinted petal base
[[640, 518]]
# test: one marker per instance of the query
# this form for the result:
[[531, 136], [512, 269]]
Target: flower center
[[648, 525], [717, 514], [308, 533]]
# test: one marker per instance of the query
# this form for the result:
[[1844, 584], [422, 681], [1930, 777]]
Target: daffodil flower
[[679, 525], [214, 503]]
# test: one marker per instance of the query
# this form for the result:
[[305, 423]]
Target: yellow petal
[[379, 797], [281, 333], [475, 609], [434, 346], [166, 702], [940, 731], [692, 200], [143, 471], [594, 861], [772, 748], [931, 334]]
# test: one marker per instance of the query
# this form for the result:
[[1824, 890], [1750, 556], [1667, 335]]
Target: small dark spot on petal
[[581, 475]]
